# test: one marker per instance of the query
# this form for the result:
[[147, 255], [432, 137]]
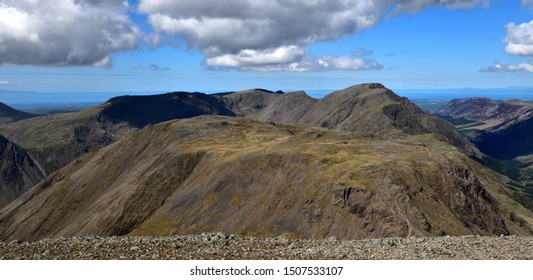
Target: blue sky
[[168, 45]]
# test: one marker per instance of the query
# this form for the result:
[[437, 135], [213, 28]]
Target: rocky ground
[[222, 246]]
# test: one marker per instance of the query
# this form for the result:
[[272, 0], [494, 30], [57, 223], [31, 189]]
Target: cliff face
[[18, 171], [211, 173]]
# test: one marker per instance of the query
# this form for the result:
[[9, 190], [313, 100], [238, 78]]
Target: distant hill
[[8, 114], [139, 111], [501, 129], [18, 171], [216, 173]]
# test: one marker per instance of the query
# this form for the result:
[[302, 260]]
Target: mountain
[[8, 114], [57, 140], [484, 109], [367, 109], [489, 123], [18, 171], [503, 130], [235, 175]]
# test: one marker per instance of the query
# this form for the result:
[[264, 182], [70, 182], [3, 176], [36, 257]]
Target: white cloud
[[243, 33], [322, 63], [64, 32], [3, 83], [252, 58], [519, 39], [251, 34], [526, 67], [520, 43]]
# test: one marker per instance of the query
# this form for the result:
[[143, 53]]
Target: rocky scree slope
[[214, 173], [220, 246]]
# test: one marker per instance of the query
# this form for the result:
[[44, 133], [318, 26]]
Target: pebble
[[224, 246]]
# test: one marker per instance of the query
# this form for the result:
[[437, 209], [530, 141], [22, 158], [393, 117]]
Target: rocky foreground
[[222, 246]]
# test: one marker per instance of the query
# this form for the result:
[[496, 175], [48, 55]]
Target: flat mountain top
[[220, 246]]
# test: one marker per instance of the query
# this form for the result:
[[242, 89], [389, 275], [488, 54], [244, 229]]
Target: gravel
[[223, 246]]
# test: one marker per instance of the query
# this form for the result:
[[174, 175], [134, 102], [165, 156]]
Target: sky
[[210, 45]]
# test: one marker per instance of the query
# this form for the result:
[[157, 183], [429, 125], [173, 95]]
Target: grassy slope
[[240, 176]]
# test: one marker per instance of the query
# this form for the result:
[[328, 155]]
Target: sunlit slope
[[241, 176]]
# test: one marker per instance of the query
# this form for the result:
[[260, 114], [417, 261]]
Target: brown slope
[[18, 171], [241, 176]]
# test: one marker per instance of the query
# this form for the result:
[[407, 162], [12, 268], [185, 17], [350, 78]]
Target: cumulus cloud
[[253, 58], [526, 67], [64, 32], [249, 34], [322, 63], [242, 34], [519, 39]]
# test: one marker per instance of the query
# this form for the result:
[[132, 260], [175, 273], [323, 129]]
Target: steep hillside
[[18, 171], [233, 175], [503, 130], [518, 139], [8, 114], [57, 140]]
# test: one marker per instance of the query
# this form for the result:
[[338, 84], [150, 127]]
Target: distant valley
[[361, 162], [503, 130]]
